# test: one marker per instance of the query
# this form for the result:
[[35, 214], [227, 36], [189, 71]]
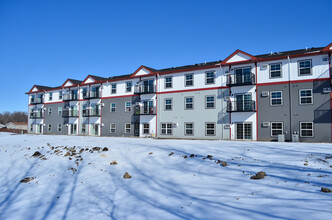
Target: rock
[[27, 179], [36, 154], [209, 156], [151, 153], [126, 175], [305, 164], [171, 154], [218, 161], [66, 154], [224, 163], [105, 149], [325, 190], [81, 151], [113, 162], [73, 169], [192, 155], [185, 156], [259, 175], [96, 149]]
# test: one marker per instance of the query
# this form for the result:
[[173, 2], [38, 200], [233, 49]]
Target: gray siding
[[198, 116], [55, 119], [120, 117], [291, 113]]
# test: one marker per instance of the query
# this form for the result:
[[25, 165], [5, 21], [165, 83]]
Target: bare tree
[[7, 117]]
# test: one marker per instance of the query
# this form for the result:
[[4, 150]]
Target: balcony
[[91, 95], [144, 89], [240, 79], [70, 97], [36, 101], [143, 110], [91, 113], [66, 113], [36, 115], [241, 106]]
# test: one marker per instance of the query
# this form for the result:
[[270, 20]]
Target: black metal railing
[[70, 97], [91, 113], [69, 113], [36, 101], [91, 95], [143, 110], [241, 106], [36, 115], [240, 80], [144, 89]]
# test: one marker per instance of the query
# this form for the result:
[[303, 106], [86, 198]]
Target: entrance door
[[96, 129], [244, 131]]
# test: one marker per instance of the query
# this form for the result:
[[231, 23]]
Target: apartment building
[[283, 95]]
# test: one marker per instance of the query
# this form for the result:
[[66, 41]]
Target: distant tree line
[[7, 117]]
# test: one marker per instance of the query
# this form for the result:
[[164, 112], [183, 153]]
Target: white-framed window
[[305, 96], [168, 104], [168, 82], [113, 88], [277, 128], [50, 111], [189, 128], [112, 128], [189, 79], [276, 98], [189, 103], [166, 128], [209, 102], [60, 95], [304, 67], [306, 129], [128, 106], [127, 128], [59, 110], [146, 128], [49, 127], [210, 129], [59, 127], [50, 96], [113, 107], [209, 77], [275, 70], [129, 84], [31, 127]]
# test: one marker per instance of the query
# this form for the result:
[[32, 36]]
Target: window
[[166, 128], [168, 82], [276, 128], [85, 92], [304, 67], [32, 99], [209, 77], [59, 110], [50, 111], [243, 131], [127, 128], [59, 127], [168, 104], [112, 128], [188, 103], [305, 96], [210, 129], [31, 127], [275, 70], [49, 127], [189, 79], [84, 128], [243, 76], [306, 129], [128, 86], [146, 128], [276, 98], [113, 106], [128, 106], [50, 97], [209, 101], [113, 88], [60, 95], [188, 128]]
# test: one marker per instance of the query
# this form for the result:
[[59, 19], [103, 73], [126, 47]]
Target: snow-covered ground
[[162, 186]]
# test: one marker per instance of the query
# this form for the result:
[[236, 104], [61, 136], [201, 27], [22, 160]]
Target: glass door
[[243, 131], [243, 102]]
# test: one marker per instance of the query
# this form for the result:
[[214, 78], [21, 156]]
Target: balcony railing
[[70, 97], [241, 106], [91, 95], [36, 115], [142, 110], [143, 89], [91, 113], [240, 80], [69, 113], [36, 101]]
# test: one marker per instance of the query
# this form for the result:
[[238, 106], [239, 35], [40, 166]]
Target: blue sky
[[46, 42]]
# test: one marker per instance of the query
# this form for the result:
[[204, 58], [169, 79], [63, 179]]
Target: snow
[[163, 186]]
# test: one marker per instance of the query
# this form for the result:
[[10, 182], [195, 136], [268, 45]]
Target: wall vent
[[227, 126], [264, 66], [325, 59], [265, 93], [327, 90], [266, 124]]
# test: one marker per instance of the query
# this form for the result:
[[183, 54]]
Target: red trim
[[193, 90], [224, 62], [327, 48], [189, 69], [290, 56], [121, 96], [156, 106], [54, 103], [294, 81], [141, 67], [330, 93], [68, 80], [230, 114], [256, 104]]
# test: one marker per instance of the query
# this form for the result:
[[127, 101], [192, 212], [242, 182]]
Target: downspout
[[157, 105], [330, 92], [290, 100], [101, 107], [230, 103], [256, 101]]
